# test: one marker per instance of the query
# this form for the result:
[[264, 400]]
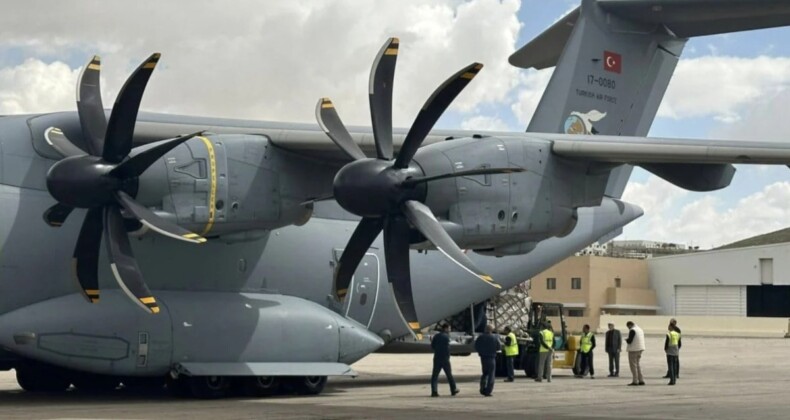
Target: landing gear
[[208, 387], [260, 386], [308, 385], [41, 378]]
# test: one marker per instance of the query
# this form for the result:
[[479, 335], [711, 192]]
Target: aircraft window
[[501, 215], [219, 204], [514, 217]]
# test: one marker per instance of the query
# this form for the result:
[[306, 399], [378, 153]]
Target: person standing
[[511, 352], [674, 323], [487, 346], [614, 343], [671, 347], [587, 344], [635, 345], [545, 353], [440, 343]]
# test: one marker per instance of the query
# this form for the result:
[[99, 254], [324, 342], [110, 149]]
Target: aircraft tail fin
[[615, 59]]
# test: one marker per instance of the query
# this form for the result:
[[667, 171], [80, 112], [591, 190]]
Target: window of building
[[617, 282], [575, 313], [551, 283], [576, 283]]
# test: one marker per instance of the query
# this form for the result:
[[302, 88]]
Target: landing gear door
[[363, 295]]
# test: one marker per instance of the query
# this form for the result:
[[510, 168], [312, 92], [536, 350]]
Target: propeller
[[105, 181], [389, 194]]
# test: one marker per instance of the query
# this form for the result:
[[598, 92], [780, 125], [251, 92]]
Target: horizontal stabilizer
[[265, 369], [681, 18]]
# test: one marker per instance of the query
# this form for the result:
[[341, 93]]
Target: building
[[588, 286], [751, 281]]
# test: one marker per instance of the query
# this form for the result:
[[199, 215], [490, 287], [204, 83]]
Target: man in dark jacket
[[440, 343], [487, 345], [614, 343]]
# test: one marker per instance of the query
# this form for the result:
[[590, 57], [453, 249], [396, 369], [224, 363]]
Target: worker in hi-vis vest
[[671, 348], [511, 351], [586, 346], [546, 352]]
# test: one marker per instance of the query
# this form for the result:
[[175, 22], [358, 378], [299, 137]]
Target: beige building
[[589, 286]]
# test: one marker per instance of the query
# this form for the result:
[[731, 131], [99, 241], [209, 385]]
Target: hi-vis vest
[[512, 349], [586, 344], [674, 338], [548, 337]]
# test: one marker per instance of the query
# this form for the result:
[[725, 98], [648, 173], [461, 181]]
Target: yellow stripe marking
[[213, 190], [149, 65], [391, 51], [468, 75], [94, 66], [342, 292], [395, 41], [92, 291], [155, 310], [414, 325], [148, 299]]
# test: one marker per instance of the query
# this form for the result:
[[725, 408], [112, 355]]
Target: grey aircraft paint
[[257, 299]]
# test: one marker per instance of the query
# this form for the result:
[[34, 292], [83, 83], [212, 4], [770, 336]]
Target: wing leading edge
[[645, 150]]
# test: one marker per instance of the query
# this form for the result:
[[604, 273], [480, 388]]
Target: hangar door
[[710, 300]]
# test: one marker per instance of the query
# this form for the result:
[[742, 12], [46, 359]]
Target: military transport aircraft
[[249, 253]]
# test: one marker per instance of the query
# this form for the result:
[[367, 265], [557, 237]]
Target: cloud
[[273, 60], [35, 86], [484, 123], [707, 221], [532, 84], [723, 87]]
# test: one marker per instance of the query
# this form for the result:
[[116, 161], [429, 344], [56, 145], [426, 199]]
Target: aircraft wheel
[[309, 385], [209, 387], [261, 386], [37, 378], [94, 383]]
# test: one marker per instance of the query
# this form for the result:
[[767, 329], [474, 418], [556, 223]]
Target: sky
[[272, 60]]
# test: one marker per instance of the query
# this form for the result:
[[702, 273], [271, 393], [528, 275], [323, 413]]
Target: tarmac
[[721, 378]]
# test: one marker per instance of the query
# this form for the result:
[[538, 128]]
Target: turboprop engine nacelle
[[497, 214]]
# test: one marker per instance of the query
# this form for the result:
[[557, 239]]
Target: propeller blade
[[86, 255], [90, 108], [380, 95], [137, 164], [434, 107], [55, 138], [423, 219], [156, 223], [471, 172], [366, 232], [57, 214], [122, 261], [330, 122], [120, 129], [396, 252]]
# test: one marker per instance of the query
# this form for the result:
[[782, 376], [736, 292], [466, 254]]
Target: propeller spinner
[[105, 180], [389, 194]]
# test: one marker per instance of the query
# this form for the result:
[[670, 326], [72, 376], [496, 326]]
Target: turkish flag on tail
[[612, 62]]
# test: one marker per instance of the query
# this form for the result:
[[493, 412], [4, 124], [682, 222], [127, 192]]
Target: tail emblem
[[578, 123]]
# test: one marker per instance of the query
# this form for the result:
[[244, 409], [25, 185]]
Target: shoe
[[578, 376], [665, 377], [482, 392], [641, 383], [509, 380], [592, 377], [538, 380], [486, 395], [671, 383], [455, 392], [434, 395], [611, 375], [616, 375], [548, 380], [633, 384]]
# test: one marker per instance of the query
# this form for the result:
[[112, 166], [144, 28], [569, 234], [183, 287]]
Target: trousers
[[438, 366], [634, 357], [489, 375], [587, 364], [672, 363], [511, 372], [614, 363], [544, 365]]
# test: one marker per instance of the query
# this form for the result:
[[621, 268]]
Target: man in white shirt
[[635, 346]]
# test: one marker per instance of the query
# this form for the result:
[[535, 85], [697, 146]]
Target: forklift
[[566, 347]]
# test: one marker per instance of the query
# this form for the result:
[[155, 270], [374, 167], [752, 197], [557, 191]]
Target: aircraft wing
[[641, 150]]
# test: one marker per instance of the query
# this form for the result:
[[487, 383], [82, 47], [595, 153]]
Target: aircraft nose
[[356, 341]]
